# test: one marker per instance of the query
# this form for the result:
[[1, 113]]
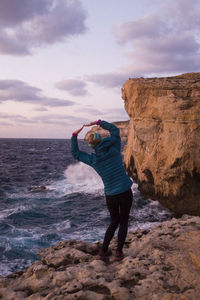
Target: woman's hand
[[78, 130]]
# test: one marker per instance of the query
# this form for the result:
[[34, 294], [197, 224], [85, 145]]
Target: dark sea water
[[71, 206]]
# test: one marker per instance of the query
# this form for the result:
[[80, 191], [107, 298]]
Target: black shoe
[[119, 255]]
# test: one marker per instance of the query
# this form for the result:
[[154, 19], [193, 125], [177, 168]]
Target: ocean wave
[[62, 225], [78, 178], [72, 206], [9, 266], [9, 212], [84, 178]]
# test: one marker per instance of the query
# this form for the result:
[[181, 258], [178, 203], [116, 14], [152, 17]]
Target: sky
[[63, 62]]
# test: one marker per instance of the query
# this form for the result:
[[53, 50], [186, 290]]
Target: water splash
[[84, 177], [78, 178]]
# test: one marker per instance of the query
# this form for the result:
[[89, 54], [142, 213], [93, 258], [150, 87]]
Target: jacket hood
[[103, 145]]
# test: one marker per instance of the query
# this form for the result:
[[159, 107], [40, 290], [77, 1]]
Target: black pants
[[119, 207]]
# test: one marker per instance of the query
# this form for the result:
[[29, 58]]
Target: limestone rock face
[[159, 264], [163, 148], [123, 128]]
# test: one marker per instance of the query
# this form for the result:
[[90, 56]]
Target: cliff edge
[[163, 148]]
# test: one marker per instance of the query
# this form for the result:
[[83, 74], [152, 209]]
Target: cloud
[[58, 119], [15, 118], [147, 27], [10, 116], [19, 91], [21, 120], [41, 108], [12, 45], [29, 24], [184, 14], [92, 111], [13, 12], [73, 86], [172, 54], [56, 102], [109, 80], [51, 119], [165, 42], [2, 123], [88, 110], [115, 114]]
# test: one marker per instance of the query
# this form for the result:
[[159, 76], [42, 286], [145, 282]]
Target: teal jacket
[[106, 161]]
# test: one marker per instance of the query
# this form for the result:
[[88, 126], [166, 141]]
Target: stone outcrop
[[122, 125], [159, 264], [163, 148]]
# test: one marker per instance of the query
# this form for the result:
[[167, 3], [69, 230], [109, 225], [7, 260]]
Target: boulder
[[163, 148]]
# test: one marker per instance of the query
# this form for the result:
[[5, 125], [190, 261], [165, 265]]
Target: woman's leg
[[125, 206], [113, 207]]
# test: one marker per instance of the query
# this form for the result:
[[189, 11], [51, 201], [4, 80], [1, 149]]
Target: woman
[[107, 162]]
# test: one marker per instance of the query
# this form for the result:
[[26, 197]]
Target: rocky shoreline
[[162, 263]]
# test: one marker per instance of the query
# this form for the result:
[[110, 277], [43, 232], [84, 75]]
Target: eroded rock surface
[[160, 264], [163, 148]]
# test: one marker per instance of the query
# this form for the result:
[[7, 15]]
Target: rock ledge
[[160, 264]]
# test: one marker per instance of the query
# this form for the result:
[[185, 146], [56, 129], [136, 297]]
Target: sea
[[46, 196]]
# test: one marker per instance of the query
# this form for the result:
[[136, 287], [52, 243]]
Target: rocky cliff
[[122, 125], [160, 264], [163, 148]]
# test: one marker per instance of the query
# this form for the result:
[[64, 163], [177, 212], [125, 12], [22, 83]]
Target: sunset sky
[[63, 62]]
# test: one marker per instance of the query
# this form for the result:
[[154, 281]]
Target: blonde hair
[[94, 139]]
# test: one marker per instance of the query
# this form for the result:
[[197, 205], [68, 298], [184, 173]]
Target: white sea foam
[[85, 234], [83, 175], [7, 267], [63, 225], [78, 178], [134, 188], [140, 225], [8, 212]]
